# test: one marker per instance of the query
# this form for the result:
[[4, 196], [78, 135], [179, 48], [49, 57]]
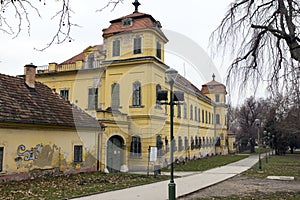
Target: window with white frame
[[64, 93], [137, 45], [136, 147], [77, 153], [136, 94], [93, 98], [116, 48]]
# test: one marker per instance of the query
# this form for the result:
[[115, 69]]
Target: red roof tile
[[140, 21], [183, 82], [81, 55], [21, 104], [213, 87]]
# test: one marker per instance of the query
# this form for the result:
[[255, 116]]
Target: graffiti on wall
[[28, 154]]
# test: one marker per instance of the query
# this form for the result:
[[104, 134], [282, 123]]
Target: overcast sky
[[193, 19]]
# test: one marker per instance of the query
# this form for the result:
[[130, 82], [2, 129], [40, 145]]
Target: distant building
[[117, 83], [40, 132]]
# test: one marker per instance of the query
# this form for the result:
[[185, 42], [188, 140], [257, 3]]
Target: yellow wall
[[56, 150]]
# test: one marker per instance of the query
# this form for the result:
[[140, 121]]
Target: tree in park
[[263, 38], [16, 16]]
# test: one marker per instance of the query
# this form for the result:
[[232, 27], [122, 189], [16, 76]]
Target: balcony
[[78, 65]]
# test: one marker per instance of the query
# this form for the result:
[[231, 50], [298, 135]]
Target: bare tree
[[263, 37], [16, 14]]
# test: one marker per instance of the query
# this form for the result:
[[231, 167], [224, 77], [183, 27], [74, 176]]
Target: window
[[78, 153], [115, 96], [135, 146], [217, 119], [184, 111], [217, 96], [64, 93], [174, 144], [196, 119], [1, 158], [197, 142], [159, 145], [202, 116], [167, 143], [158, 103], [158, 50], [90, 61], [93, 99], [179, 111], [186, 143], [198, 114], [204, 144], [191, 112], [209, 117], [116, 48], [212, 118], [192, 143], [136, 94], [206, 118], [127, 22], [137, 45], [180, 145]]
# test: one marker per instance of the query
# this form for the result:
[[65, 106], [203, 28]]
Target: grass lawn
[[275, 196], [287, 165], [208, 163], [68, 186]]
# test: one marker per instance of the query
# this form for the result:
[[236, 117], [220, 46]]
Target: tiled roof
[[81, 55], [22, 104], [140, 21], [213, 87], [183, 82]]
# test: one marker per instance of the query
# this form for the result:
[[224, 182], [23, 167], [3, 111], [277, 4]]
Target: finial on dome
[[213, 76], [136, 5]]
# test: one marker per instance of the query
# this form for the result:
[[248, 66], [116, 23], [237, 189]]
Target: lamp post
[[257, 123], [175, 97], [269, 143], [266, 142]]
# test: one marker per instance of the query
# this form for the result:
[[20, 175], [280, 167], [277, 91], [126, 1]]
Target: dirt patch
[[242, 185]]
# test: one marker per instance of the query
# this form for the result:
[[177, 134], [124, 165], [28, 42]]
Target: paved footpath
[[188, 183]]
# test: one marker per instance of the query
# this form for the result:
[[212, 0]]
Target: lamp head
[[257, 122], [171, 75]]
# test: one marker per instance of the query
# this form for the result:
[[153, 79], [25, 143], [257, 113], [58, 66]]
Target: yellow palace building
[[117, 83]]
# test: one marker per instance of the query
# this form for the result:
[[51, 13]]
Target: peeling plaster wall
[[28, 149]]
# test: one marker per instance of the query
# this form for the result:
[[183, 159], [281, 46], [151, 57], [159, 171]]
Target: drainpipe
[[99, 146]]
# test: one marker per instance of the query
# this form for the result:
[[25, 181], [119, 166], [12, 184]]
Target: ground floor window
[[78, 153], [1, 158], [135, 146]]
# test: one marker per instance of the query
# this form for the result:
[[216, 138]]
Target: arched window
[[184, 110], [186, 143], [136, 94], [196, 119], [192, 143], [115, 96], [179, 111], [159, 145], [136, 146], [158, 103], [217, 119], [202, 116], [191, 112], [180, 145]]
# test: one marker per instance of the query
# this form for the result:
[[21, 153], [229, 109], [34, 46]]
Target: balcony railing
[[68, 67]]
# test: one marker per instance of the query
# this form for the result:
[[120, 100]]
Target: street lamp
[[269, 143], [175, 97], [266, 142], [257, 123]]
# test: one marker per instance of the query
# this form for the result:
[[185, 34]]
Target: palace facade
[[117, 83]]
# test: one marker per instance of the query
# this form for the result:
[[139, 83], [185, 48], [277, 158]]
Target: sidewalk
[[188, 183]]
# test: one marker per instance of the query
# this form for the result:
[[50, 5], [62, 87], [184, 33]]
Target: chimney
[[29, 71]]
